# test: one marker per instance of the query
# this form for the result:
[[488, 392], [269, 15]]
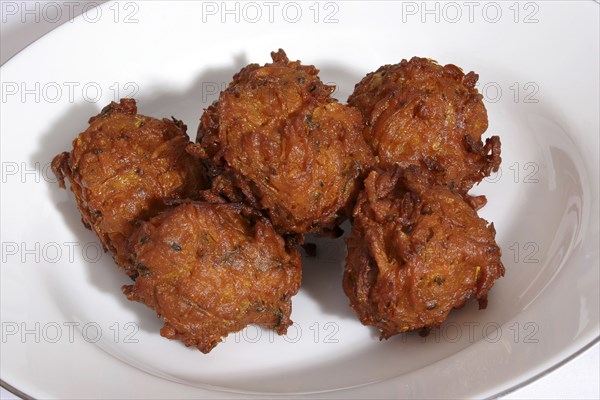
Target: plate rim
[[588, 346], [554, 366]]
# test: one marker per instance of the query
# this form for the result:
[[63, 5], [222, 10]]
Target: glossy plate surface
[[68, 332]]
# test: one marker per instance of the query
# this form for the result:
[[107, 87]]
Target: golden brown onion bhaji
[[416, 252], [419, 112], [122, 168], [277, 140], [210, 269]]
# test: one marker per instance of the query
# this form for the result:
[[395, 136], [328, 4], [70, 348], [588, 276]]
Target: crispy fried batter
[[279, 158], [122, 168], [416, 252], [418, 112], [211, 269], [282, 144]]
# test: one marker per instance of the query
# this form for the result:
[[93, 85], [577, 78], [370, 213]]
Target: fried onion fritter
[[419, 112], [122, 168], [416, 252], [211, 269], [278, 141]]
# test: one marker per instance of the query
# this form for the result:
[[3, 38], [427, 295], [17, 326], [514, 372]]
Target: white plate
[[68, 332]]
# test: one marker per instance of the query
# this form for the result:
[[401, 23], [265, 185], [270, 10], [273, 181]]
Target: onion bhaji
[[419, 112], [209, 269], [207, 230], [416, 252], [122, 168], [278, 141]]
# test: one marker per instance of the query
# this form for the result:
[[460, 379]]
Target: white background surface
[[578, 379]]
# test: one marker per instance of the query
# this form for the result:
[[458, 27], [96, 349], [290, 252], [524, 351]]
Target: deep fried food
[[122, 168], [419, 112], [208, 230], [211, 269], [280, 142], [416, 252]]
